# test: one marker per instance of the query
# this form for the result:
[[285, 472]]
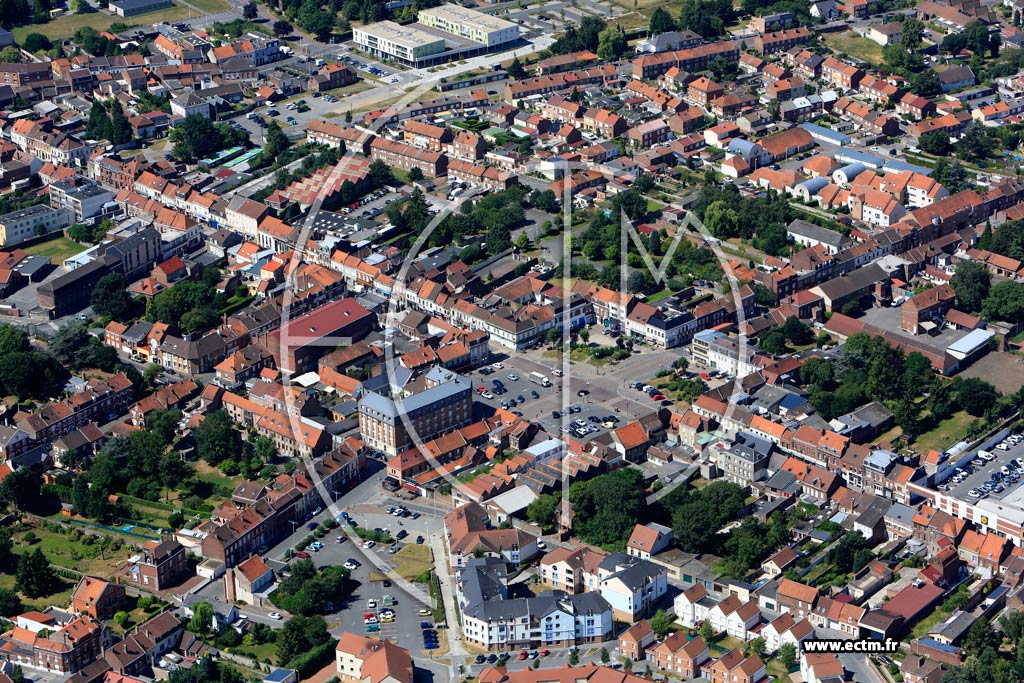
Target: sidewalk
[[443, 569]]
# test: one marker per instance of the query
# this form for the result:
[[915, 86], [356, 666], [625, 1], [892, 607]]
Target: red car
[[658, 397], [524, 654], [302, 555], [544, 653]]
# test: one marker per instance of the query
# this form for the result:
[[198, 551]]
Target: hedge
[[308, 663]]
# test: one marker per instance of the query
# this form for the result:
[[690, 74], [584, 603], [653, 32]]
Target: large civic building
[[433, 404], [470, 24], [405, 44], [442, 34]]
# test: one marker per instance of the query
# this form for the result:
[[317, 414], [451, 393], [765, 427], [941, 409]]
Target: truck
[[540, 379]]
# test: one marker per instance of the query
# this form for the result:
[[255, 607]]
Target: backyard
[[855, 46], [56, 249], [946, 433]]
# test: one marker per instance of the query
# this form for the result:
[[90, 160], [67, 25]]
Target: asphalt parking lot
[[405, 629], [982, 472], [540, 403]]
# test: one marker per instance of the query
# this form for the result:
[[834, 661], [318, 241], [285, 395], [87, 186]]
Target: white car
[[369, 544], [371, 604], [497, 366], [274, 615], [487, 395], [513, 377], [349, 566]]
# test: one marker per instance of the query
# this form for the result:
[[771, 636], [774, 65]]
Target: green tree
[[314, 20], [976, 143], [606, 507], [661, 623], [971, 283], [797, 332], [194, 138], [976, 396], [10, 603], [611, 43], [217, 439], [705, 631], [574, 657], [661, 21], [164, 424], [41, 11], [605, 657], [515, 70], [773, 341], [249, 11], [936, 143], [120, 129], [926, 84], [99, 126], [20, 488], [275, 142], [415, 174], [35, 577], [758, 647], [110, 298], [282, 27], [36, 42], [1005, 301], [201, 622], [300, 634], [12, 340], [787, 655]]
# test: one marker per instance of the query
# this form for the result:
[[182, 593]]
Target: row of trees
[[493, 217], [108, 122], [705, 17]]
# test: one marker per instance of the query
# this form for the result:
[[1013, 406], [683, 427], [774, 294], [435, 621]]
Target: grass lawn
[[65, 27], [723, 643], [261, 652], [208, 6], [581, 356], [62, 551], [150, 515], [654, 205], [855, 46], [928, 623], [217, 480], [819, 570], [413, 560], [777, 671], [57, 249], [945, 434]]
